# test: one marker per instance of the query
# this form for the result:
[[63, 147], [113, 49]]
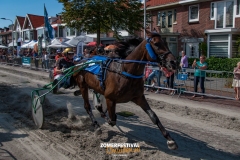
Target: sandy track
[[201, 133]]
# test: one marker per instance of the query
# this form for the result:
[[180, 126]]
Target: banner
[[26, 61]]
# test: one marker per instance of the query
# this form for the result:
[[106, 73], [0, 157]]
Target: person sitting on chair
[[61, 64]]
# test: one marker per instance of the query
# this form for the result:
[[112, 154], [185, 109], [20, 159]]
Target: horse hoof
[[98, 132], [77, 93], [172, 145], [112, 123]]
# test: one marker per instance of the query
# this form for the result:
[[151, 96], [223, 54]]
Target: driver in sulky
[[62, 64]]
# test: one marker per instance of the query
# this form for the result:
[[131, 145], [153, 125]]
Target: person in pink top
[[184, 61]]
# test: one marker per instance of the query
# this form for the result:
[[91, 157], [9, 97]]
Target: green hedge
[[219, 64]]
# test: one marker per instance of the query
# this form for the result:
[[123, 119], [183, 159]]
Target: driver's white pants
[[64, 82]]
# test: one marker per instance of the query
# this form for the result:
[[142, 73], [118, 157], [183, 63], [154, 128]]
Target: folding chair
[[181, 77]]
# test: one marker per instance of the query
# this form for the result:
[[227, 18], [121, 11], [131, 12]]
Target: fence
[[28, 62], [217, 83]]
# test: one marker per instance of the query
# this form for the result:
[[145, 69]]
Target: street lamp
[[12, 33], [144, 19]]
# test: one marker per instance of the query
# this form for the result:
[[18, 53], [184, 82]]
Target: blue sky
[[12, 8]]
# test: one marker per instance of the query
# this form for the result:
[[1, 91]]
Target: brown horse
[[122, 88]]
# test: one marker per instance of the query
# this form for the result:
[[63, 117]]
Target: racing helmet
[[65, 52]]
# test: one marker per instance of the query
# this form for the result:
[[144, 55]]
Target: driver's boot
[[55, 89]]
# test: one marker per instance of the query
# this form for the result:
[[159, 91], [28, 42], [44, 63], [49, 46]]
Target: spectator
[[155, 73], [147, 72], [43, 62], [184, 61], [36, 59], [169, 79], [199, 74], [59, 55], [236, 81], [45, 58]]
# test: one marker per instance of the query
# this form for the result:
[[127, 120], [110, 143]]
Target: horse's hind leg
[[142, 102], [87, 107], [111, 107]]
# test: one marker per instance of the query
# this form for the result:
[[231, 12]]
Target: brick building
[[210, 27]]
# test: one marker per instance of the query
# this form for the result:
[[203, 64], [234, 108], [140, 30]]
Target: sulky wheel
[[37, 111]]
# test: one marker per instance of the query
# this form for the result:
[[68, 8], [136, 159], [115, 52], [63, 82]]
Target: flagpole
[[144, 19], [45, 27]]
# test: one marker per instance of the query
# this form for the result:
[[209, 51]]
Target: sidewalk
[[184, 99]]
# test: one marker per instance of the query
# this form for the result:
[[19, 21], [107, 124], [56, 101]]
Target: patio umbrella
[[29, 45], [73, 41], [11, 44], [1, 46], [92, 44], [110, 47], [58, 44]]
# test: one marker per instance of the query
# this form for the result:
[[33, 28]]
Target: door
[[192, 50]]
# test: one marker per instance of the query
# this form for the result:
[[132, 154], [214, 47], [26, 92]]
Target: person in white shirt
[[45, 58]]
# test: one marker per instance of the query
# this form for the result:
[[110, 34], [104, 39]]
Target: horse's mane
[[124, 48]]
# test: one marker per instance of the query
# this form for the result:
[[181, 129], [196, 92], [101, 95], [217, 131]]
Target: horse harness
[[116, 67]]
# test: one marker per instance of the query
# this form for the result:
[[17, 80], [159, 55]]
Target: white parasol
[[1, 46]]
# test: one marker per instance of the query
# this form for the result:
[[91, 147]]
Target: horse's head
[[158, 51]]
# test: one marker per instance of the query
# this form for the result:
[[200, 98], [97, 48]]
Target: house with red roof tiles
[[6, 35], [209, 27]]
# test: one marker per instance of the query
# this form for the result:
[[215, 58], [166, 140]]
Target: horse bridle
[[161, 57]]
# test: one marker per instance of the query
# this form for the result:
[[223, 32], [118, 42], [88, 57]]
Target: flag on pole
[[48, 26]]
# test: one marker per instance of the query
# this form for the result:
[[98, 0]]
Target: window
[[26, 35], [159, 18], [229, 14], [165, 19], [193, 13], [238, 7], [40, 32], [148, 20], [223, 12], [70, 31], [212, 10], [175, 16], [218, 46], [31, 35], [170, 19], [61, 31]]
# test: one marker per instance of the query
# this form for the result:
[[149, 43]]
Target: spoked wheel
[[37, 111]]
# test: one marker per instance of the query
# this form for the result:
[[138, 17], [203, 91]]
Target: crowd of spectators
[[199, 75], [152, 76]]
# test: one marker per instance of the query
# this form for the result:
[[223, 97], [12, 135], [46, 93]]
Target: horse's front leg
[[142, 102], [111, 107]]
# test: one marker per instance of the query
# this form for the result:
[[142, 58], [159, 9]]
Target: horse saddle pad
[[95, 68], [98, 69]]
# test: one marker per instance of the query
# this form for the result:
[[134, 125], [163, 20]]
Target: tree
[[102, 16]]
